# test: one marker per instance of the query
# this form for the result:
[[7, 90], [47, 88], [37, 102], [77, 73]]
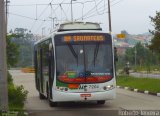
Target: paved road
[[145, 75], [127, 100]]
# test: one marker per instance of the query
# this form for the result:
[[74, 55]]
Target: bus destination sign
[[79, 38]]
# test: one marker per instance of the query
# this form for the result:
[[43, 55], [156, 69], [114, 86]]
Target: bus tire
[[41, 96], [101, 102], [53, 104]]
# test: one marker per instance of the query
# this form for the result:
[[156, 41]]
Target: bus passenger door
[[36, 69], [51, 69]]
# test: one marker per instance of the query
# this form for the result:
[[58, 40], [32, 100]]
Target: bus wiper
[[73, 52], [96, 53]]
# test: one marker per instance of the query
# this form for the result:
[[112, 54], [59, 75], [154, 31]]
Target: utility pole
[[3, 62], [109, 17], [110, 31]]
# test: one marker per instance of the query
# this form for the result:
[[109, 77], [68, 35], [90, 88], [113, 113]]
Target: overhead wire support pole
[[3, 62], [52, 27], [109, 17]]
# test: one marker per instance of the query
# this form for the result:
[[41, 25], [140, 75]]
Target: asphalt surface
[[128, 101]]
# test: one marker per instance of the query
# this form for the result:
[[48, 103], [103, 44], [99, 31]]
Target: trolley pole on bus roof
[[109, 17], [3, 64]]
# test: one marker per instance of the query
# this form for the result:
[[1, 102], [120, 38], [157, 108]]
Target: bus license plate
[[93, 86], [85, 95], [89, 87]]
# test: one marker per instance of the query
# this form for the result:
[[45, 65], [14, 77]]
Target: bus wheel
[[53, 104], [41, 96], [101, 102]]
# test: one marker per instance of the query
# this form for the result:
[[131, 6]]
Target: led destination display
[[83, 38]]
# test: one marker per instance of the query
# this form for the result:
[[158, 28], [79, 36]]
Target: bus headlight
[[108, 87], [62, 88], [66, 89]]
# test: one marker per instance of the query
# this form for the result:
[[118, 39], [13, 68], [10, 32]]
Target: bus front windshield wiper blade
[[96, 53], [73, 52]]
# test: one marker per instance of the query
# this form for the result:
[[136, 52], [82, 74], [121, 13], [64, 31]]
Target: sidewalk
[[145, 75]]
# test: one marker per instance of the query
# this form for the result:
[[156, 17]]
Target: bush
[[16, 95], [10, 80]]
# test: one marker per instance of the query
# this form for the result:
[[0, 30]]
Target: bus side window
[[51, 62], [41, 69]]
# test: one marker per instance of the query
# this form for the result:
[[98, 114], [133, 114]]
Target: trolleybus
[[75, 63]]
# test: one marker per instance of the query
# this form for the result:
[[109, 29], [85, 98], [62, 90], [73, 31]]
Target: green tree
[[155, 42], [12, 51], [144, 56], [25, 41], [16, 94]]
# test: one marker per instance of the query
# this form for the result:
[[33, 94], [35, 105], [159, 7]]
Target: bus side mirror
[[115, 54]]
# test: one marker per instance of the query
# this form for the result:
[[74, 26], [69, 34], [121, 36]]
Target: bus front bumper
[[59, 96]]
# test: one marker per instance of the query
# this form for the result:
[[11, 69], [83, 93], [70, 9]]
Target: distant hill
[[131, 40], [147, 33]]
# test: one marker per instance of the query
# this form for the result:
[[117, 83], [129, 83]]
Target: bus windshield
[[84, 62]]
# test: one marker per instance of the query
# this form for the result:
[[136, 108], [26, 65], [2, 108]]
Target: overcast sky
[[129, 15]]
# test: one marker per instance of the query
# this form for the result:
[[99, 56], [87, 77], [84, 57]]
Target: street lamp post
[[43, 32], [54, 21], [52, 25], [135, 53]]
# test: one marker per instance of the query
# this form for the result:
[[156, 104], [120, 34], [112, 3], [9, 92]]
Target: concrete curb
[[139, 91]]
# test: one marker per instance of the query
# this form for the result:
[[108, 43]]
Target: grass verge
[[152, 85]]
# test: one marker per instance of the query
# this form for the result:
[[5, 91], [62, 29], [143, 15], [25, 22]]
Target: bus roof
[[70, 26], [75, 27]]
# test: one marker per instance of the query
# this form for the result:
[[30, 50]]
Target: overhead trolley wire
[[50, 14], [40, 15], [89, 10], [56, 4], [117, 2], [22, 16], [40, 26], [57, 7], [93, 11], [96, 7], [106, 9], [64, 12]]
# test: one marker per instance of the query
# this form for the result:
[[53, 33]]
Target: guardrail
[[28, 70]]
